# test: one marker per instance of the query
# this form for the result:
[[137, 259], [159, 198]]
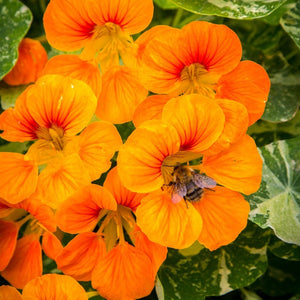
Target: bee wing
[[203, 181], [179, 191]]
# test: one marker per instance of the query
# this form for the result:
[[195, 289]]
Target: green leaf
[[284, 250], [165, 4], [265, 132], [290, 22], [281, 279], [277, 203], [217, 272], [283, 100], [236, 9], [9, 94], [15, 20], [15, 147]]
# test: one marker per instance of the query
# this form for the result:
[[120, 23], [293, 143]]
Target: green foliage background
[[264, 262]]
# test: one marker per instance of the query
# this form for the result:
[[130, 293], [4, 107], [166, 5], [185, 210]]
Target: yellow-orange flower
[[97, 255], [190, 126], [49, 286], [103, 29], [21, 258], [203, 58], [31, 61]]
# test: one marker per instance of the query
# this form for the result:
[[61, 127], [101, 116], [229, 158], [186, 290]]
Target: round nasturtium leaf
[[212, 273], [15, 20], [277, 203], [236, 9]]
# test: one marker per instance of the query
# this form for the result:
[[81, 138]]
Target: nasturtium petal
[[62, 101], [166, 223], [156, 252], [238, 168], [121, 194], [214, 46], [61, 179], [96, 145], [151, 108], [132, 16], [248, 84], [198, 120], [31, 61], [67, 24], [8, 292], [8, 239], [236, 125], [51, 245], [19, 177], [40, 211], [134, 278], [79, 257], [224, 214], [74, 67], [15, 19], [17, 123], [26, 262], [54, 286], [80, 211], [141, 157], [121, 94]]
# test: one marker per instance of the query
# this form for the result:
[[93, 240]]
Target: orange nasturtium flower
[[203, 58], [102, 28], [48, 286], [31, 61], [120, 266], [21, 258], [53, 111], [190, 125]]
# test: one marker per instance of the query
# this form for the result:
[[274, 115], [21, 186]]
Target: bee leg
[[186, 203]]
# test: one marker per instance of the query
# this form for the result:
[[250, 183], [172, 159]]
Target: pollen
[[196, 79]]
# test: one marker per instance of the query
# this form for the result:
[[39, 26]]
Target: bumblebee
[[189, 184]]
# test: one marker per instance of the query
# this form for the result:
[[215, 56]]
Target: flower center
[[115, 224], [55, 135], [196, 79], [106, 43]]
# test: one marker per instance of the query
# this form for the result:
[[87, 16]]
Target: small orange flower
[[190, 126], [49, 286], [203, 58], [22, 258], [96, 255], [31, 61], [102, 28]]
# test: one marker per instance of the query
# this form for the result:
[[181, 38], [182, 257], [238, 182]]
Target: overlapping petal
[[26, 262], [19, 177], [60, 179], [74, 67], [31, 61], [96, 145], [80, 212], [248, 84], [79, 257], [238, 168], [140, 158], [168, 224], [8, 239], [198, 120], [224, 214], [121, 94], [149, 109], [54, 286], [124, 273], [62, 101], [8, 292]]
